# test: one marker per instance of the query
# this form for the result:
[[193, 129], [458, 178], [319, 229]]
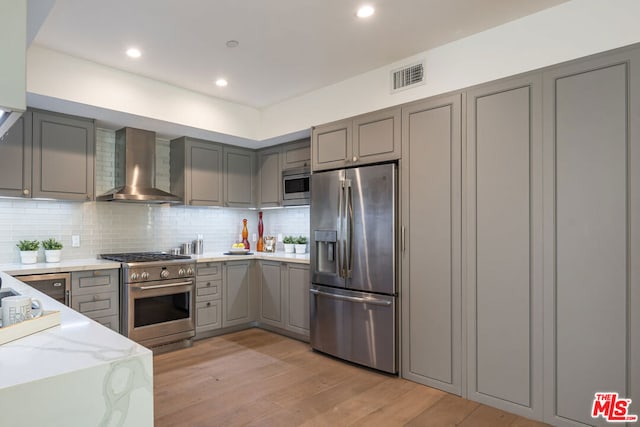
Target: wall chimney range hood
[[135, 172]]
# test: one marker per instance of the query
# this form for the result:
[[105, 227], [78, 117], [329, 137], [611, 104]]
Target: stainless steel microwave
[[295, 187]]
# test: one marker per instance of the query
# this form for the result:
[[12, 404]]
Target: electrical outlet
[[279, 237], [254, 237], [75, 241]]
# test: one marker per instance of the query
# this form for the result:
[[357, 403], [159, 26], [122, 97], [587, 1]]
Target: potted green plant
[[301, 245], [289, 244], [28, 251], [52, 250]]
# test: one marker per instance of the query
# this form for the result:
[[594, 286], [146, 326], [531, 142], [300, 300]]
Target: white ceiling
[[287, 47]]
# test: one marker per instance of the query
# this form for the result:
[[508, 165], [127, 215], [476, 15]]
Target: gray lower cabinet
[[208, 311], [431, 294], [504, 245], [369, 138], [284, 296], [296, 154], [591, 235], [196, 171], [238, 296], [63, 156], [297, 281], [15, 159], [96, 295], [272, 293], [239, 166], [270, 177]]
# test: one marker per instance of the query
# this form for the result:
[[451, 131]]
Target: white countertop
[[271, 256], [63, 266], [76, 344], [17, 269]]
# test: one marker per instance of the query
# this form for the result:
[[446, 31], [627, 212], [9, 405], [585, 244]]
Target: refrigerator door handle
[[338, 239], [350, 226], [351, 299]]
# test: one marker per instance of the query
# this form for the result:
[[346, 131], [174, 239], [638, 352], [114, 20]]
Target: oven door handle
[[168, 285]]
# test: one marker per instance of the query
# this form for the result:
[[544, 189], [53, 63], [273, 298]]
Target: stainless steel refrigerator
[[353, 294]]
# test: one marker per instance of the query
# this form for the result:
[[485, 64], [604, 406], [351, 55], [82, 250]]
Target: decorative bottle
[[245, 234], [260, 245]]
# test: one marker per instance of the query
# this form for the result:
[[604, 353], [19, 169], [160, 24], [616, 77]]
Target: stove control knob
[[164, 274], [181, 272], [189, 271], [134, 276], [145, 275]]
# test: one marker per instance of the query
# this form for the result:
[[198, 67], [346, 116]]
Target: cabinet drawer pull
[[208, 304], [208, 283]]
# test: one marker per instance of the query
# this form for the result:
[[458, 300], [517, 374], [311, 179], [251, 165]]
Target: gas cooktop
[[143, 257]]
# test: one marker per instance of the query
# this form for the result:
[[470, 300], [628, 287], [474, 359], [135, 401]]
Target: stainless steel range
[[157, 298]]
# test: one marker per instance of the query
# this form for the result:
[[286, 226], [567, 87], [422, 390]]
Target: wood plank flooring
[[259, 378]]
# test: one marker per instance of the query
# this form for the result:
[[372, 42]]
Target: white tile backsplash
[[106, 227]]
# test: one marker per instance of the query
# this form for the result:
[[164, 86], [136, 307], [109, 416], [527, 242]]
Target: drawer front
[[208, 315], [90, 282], [110, 322], [210, 269], [208, 286], [97, 305]]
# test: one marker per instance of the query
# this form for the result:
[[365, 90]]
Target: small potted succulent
[[289, 244], [28, 251], [301, 245], [52, 250]]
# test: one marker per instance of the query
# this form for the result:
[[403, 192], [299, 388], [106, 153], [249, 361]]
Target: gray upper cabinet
[[196, 172], [592, 242], [269, 177], [15, 159], [296, 154], [431, 258], [63, 156], [239, 167], [504, 245], [370, 138], [376, 136], [331, 145]]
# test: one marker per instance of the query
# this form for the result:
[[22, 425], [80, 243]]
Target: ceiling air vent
[[405, 77]]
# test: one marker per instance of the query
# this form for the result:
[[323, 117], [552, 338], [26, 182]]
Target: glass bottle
[[260, 245], [245, 234]]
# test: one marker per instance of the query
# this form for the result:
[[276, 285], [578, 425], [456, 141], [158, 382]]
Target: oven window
[[296, 185], [154, 310]]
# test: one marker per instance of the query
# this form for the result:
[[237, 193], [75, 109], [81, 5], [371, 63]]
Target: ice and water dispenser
[[326, 251]]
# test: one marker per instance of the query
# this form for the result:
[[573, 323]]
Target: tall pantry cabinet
[[520, 261], [591, 234], [503, 245], [431, 258]]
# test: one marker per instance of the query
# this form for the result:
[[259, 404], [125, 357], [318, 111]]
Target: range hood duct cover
[[135, 169]]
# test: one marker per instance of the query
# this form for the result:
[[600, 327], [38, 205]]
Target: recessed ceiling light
[[365, 11], [133, 53], [221, 82], [233, 43]]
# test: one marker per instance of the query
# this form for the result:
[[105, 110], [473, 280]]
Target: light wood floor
[[255, 377]]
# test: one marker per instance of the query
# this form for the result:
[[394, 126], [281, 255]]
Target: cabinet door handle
[[355, 159], [402, 238], [26, 192]]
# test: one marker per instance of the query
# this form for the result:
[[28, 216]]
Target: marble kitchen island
[[78, 373]]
